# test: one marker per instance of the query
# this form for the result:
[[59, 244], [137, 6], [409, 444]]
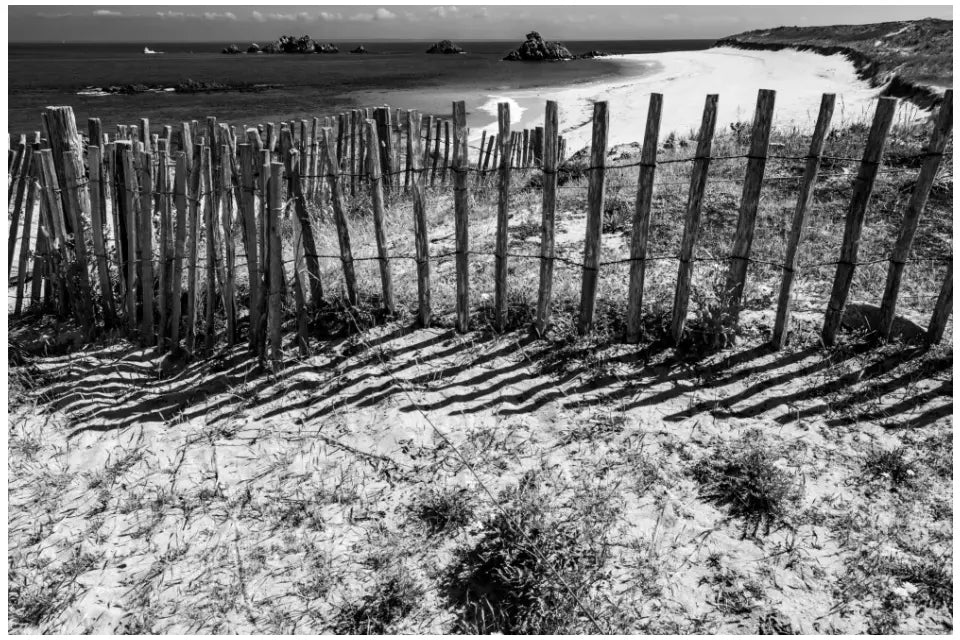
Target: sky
[[336, 23]]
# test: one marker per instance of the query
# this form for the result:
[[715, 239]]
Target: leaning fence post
[[21, 183], [862, 189], [274, 189], [376, 195], [641, 220], [941, 312], [339, 216], [911, 218], [179, 240], [551, 127], [31, 177], [691, 226], [503, 206], [591, 250], [461, 214], [732, 297], [77, 200], [145, 244], [193, 244], [805, 197], [229, 249], [307, 240], [419, 220], [210, 240], [98, 209]]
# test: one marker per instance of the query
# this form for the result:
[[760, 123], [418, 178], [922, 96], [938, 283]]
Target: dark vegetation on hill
[[912, 58]]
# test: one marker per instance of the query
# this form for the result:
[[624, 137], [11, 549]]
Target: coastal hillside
[[913, 58]]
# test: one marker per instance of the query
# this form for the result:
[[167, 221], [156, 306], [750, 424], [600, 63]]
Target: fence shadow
[[441, 373]]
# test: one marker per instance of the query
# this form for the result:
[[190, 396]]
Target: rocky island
[[445, 46], [286, 44], [536, 49]]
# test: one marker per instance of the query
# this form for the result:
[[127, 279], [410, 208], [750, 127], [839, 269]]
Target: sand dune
[[686, 77]]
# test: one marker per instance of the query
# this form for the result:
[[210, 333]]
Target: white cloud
[[106, 12], [361, 17], [383, 14], [54, 15], [171, 14], [259, 17], [442, 12], [326, 15], [211, 15]]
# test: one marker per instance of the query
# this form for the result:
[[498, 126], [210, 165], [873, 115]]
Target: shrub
[[529, 570], [745, 479]]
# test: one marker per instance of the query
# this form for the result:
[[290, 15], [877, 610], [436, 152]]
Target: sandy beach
[[685, 78]]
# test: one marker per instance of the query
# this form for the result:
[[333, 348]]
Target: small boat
[[147, 51]]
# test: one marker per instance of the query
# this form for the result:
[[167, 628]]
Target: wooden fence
[[122, 219]]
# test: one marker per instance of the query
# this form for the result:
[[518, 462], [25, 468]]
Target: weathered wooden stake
[[340, 217], [421, 241], [551, 128], [911, 218], [691, 225], [941, 312], [461, 214], [804, 198], [98, 212], [591, 251], [500, 309], [376, 196], [862, 189], [749, 203], [194, 199], [641, 219], [145, 245], [274, 189], [179, 242]]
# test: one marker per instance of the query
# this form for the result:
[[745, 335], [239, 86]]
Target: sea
[[301, 86]]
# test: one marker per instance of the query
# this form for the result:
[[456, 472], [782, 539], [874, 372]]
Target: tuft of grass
[[392, 599], [744, 478], [893, 465], [529, 570], [444, 510], [735, 593]]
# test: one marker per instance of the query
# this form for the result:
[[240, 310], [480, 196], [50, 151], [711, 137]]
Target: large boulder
[[537, 49], [232, 49], [445, 46], [593, 54], [360, 49], [254, 48]]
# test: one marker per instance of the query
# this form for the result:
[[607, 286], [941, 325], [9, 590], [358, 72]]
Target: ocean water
[[310, 85]]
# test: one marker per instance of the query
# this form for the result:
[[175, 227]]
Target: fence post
[[503, 207], [16, 169], [911, 218], [804, 198], [163, 191], [376, 195], [591, 251], [340, 217], [446, 149], [436, 151], [193, 246], [248, 214], [732, 298], [941, 312], [862, 189], [691, 227], [307, 240], [145, 244], [461, 213], [641, 220], [77, 199], [31, 177], [179, 240], [98, 212], [229, 250], [275, 189], [21, 185], [419, 220], [551, 128]]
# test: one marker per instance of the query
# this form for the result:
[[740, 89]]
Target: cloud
[[106, 12], [361, 17], [327, 16], [53, 16], [212, 15], [442, 12], [259, 17], [383, 14], [171, 14]]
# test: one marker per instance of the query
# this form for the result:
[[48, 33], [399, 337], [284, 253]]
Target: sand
[[685, 78]]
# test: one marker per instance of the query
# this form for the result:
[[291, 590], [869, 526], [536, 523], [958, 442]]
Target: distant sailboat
[[147, 51]]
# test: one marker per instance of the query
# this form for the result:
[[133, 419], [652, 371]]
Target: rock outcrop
[[445, 46], [328, 47], [537, 49], [593, 54], [360, 49], [254, 48], [232, 49]]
